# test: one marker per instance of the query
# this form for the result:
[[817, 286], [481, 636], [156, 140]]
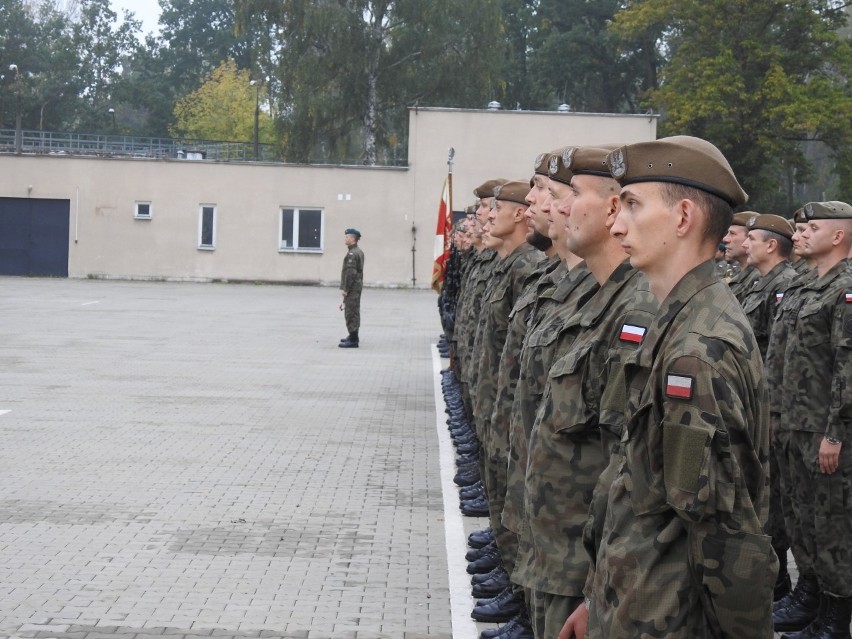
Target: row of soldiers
[[621, 408]]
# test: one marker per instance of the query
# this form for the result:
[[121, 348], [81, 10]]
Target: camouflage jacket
[[552, 309], [683, 552], [815, 386], [742, 282], [467, 316], [785, 318], [761, 302], [566, 451], [544, 277], [352, 273], [503, 291]]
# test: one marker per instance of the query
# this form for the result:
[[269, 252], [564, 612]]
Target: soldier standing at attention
[[742, 281], [351, 283], [682, 553], [816, 406]]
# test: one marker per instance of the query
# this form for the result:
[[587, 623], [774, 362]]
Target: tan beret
[[512, 191], [799, 216], [486, 189], [833, 210], [542, 161], [470, 210], [556, 169], [768, 222], [743, 218], [681, 159], [588, 160]]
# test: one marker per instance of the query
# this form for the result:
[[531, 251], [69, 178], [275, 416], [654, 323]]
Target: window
[[142, 211], [301, 230], [207, 227]]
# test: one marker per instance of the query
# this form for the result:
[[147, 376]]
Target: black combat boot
[[802, 606], [838, 615], [350, 342], [812, 629], [783, 585]]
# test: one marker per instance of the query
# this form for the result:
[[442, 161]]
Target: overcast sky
[[148, 11]]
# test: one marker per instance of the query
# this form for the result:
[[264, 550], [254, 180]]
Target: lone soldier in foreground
[[682, 554], [351, 283]]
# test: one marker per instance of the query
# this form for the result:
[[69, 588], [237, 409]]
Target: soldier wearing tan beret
[[683, 553], [745, 274]]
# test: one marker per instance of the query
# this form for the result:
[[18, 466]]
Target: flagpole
[[450, 155]]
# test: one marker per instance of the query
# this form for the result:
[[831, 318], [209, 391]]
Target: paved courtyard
[[202, 460]]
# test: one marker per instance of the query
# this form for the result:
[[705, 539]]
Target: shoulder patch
[[849, 298], [679, 386], [779, 297], [632, 333]]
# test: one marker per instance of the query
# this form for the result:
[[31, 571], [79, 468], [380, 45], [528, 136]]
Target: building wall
[[383, 203]]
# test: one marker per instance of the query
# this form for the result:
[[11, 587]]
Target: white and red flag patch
[[631, 333], [779, 297], [679, 386], [849, 298]]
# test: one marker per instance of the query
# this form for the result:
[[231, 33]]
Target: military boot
[[802, 607], [350, 342], [812, 629], [838, 615]]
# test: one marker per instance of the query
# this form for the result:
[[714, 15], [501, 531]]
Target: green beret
[[773, 223], [681, 159], [556, 169], [512, 191], [833, 210], [743, 218], [354, 232], [486, 189], [542, 161], [588, 160]]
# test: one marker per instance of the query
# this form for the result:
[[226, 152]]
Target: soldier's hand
[[829, 456], [576, 624]]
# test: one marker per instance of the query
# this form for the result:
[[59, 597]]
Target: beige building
[[183, 219]]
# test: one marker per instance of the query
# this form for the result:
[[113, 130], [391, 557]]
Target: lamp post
[[256, 86], [18, 130], [111, 111]]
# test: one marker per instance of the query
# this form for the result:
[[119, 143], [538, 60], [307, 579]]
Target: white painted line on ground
[[3, 412], [90, 303], [461, 602]]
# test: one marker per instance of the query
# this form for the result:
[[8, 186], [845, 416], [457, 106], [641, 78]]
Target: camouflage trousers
[[822, 506], [494, 480], [352, 311], [775, 524], [549, 613]]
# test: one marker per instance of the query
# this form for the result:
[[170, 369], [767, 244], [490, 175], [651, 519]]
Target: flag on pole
[[443, 235]]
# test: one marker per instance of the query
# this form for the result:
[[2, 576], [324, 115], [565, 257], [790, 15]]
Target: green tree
[[348, 69], [755, 78], [223, 108]]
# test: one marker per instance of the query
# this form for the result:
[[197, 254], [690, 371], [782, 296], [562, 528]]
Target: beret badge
[[568, 156], [617, 164], [554, 165]]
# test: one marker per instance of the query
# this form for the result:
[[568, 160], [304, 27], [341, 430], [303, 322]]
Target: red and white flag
[[442, 235], [679, 386]]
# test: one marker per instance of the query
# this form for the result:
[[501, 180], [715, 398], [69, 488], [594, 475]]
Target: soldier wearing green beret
[[351, 283], [815, 412], [682, 551]]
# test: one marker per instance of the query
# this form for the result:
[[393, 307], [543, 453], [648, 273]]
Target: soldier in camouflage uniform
[[566, 453], [817, 409], [742, 281], [683, 554], [351, 283], [768, 246]]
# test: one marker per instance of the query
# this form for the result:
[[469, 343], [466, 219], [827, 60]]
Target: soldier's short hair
[[718, 214]]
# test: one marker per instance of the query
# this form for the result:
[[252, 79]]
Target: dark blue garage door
[[34, 237]]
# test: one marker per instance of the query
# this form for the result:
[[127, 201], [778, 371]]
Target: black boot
[[812, 629], [802, 607], [350, 342], [838, 615], [783, 585]]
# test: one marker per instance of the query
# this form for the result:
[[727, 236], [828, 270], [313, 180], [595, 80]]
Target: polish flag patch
[[631, 333], [780, 296], [849, 298], [679, 386]]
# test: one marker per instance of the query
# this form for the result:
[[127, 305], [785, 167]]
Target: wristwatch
[[832, 440]]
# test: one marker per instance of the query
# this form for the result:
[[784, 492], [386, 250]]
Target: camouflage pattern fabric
[[742, 282], [542, 278], [566, 452], [504, 290], [818, 372], [782, 481], [546, 611], [683, 552], [538, 352], [352, 281], [761, 302]]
